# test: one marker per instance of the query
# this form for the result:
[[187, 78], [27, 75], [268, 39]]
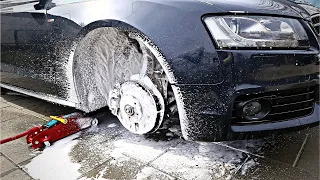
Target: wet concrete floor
[[108, 151]]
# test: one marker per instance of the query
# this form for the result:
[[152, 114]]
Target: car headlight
[[257, 32]]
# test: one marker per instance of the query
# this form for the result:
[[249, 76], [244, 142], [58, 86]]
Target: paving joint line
[[12, 118], [240, 166], [236, 149], [96, 167], [16, 165], [8, 172], [178, 177], [105, 162], [144, 164], [253, 154], [99, 165], [151, 161], [298, 157], [25, 161]]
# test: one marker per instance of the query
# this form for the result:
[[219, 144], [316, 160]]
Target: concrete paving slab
[[109, 127], [9, 113], [152, 173], [16, 175], [124, 168], [18, 150], [54, 162], [89, 155], [110, 137], [3, 104], [109, 150], [190, 160], [5, 165], [273, 169], [309, 159], [78, 153], [285, 147], [252, 146], [94, 147], [142, 148], [18, 124], [119, 167], [96, 139]]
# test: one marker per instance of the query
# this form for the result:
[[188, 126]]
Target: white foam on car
[[72, 95]]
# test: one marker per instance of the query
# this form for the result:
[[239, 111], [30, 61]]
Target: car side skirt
[[38, 95]]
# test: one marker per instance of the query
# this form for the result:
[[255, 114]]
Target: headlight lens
[[257, 32]]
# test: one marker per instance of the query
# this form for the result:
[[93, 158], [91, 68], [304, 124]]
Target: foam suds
[[151, 173], [72, 96], [119, 154], [54, 162], [112, 125], [85, 122]]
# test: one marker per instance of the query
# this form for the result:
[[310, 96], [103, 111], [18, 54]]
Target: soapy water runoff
[[109, 151]]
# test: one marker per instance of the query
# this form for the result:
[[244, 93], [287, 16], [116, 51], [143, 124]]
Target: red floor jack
[[57, 128]]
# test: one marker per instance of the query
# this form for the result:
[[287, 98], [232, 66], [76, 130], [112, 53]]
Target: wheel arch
[[133, 33], [123, 26]]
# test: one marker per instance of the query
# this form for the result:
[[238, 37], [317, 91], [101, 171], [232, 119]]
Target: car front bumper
[[206, 111]]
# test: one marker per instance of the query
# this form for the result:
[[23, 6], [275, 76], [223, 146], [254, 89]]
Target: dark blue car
[[230, 69]]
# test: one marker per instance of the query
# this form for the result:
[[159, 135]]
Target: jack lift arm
[[55, 129]]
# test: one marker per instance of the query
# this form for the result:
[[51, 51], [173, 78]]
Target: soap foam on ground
[[54, 162]]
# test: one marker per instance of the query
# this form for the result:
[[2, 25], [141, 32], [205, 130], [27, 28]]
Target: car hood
[[270, 7]]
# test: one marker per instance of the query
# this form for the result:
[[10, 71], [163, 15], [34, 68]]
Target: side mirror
[[41, 5]]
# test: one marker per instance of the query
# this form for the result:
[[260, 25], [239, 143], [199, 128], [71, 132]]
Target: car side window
[[10, 3], [17, 6], [62, 2]]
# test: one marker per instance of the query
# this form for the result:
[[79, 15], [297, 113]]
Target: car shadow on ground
[[35, 106]]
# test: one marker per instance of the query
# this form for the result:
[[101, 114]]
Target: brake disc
[[138, 105]]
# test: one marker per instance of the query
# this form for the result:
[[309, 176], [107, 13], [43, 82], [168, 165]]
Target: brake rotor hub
[[138, 105], [129, 110]]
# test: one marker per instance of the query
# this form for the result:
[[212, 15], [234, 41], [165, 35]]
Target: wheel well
[[123, 26], [133, 34]]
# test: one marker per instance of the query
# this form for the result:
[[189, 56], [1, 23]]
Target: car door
[[25, 61], [32, 46]]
